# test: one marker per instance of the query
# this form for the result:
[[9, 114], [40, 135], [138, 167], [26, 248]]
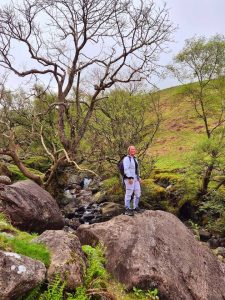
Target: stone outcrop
[[111, 209], [29, 207], [155, 249], [5, 179], [18, 275], [67, 258]]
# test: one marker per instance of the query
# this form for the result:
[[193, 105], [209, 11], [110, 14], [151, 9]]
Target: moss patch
[[16, 174], [113, 190], [166, 179], [152, 194], [39, 163]]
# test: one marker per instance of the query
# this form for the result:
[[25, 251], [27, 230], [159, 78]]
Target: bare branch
[[75, 164]]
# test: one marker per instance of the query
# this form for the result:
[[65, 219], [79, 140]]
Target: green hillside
[[179, 132]]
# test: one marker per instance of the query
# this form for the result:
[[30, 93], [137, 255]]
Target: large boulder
[[29, 207], [155, 249], [18, 275], [67, 257]]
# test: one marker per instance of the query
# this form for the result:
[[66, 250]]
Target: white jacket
[[129, 167]]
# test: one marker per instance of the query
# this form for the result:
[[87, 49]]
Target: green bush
[[212, 211]]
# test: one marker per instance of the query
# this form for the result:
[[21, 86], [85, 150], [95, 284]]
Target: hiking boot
[[138, 210], [129, 212]]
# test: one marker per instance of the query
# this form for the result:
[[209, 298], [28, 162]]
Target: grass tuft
[[13, 240]]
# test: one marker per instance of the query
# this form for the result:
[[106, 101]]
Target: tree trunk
[[206, 179], [21, 166]]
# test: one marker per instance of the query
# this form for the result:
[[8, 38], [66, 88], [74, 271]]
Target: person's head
[[131, 150]]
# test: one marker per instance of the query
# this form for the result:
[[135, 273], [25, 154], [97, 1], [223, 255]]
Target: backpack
[[121, 166]]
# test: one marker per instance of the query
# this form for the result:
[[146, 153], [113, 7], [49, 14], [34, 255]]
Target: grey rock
[[29, 207], [220, 251], [18, 275], [5, 179], [111, 209], [204, 235], [67, 257], [155, 249]]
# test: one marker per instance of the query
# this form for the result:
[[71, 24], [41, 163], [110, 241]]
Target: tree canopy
[[79, 49]]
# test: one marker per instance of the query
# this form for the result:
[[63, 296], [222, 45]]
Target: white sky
[[193, 17]]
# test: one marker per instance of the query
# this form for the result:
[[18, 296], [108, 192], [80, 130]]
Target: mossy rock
[[16, 174], [39, 163], [165, 179], [168, 171], [149, 187], [152, 194], [155, 196], [113, 190]]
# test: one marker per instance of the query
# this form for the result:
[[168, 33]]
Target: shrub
[[212, 211]]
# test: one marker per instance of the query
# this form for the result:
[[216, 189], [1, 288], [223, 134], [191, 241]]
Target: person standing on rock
[[132, 182]]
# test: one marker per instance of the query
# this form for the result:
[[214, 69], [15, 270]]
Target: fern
[[95, 273], [33, 294], [146, 295], [81, 294], [55, 290], [95, 280]]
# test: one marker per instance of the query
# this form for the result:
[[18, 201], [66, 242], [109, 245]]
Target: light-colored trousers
[[130, 189]]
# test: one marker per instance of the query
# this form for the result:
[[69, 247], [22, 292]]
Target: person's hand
[[130, 181], [140, 180]]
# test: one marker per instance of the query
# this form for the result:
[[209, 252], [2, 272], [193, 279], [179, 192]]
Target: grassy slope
[[180, 130], [14, 240]]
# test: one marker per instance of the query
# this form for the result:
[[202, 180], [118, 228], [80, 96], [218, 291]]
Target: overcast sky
[[192, 17]]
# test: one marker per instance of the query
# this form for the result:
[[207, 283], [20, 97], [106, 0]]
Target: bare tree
[[69, 41], [15, 113]]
